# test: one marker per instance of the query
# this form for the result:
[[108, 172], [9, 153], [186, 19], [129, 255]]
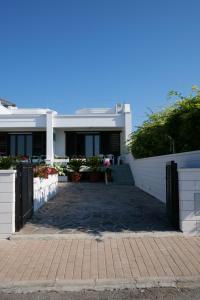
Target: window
[[20, 144]]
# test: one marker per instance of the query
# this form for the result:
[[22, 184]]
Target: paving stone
[[96, 208]]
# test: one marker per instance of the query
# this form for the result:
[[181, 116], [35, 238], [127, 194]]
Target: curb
[[106, 235], [99, 284]]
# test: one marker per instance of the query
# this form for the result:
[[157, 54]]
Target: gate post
[[7, 203], [24, 194], [172, 195]]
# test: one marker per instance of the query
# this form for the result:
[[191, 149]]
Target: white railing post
[[49, 137]]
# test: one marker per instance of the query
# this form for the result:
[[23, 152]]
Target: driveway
[[97, 208]]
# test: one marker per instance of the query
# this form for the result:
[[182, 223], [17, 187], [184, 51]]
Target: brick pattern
[[120, 258]]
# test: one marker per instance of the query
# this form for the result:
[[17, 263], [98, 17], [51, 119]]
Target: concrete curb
[[106, 235], [98, 284]]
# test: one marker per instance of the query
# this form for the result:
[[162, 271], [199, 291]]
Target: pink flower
[[106, 162]]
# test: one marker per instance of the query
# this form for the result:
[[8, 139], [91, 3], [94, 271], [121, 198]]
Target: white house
[[90, 131]]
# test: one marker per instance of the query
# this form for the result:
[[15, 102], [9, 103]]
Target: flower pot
[[95, 176], [76, 176]]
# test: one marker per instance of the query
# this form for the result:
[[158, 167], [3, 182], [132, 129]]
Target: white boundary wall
[[149, 173], [7, 203]]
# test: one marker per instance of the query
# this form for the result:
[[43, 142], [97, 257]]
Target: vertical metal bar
[[172, 197]]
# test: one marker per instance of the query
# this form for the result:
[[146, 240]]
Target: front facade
[[44, 132]]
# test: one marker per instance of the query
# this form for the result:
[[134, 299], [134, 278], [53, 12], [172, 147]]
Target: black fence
[[172, 196], [24, 194]]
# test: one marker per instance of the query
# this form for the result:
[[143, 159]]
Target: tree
[[174, 129]]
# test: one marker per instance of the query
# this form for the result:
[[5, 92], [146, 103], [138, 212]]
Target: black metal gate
[[172, 196], [24, 194]]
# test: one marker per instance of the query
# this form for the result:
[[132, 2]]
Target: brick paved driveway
[[99, 208]]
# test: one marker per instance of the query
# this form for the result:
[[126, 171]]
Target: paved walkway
[[164, 259], [97, 209]]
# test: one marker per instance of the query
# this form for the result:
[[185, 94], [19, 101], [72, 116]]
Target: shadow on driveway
[[96, 208]]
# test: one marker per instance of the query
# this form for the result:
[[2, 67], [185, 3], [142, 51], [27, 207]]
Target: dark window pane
[[3, 144], [96, 145], [39, 143], [88, 145], [12, 145], [20, 145], [29, 145]]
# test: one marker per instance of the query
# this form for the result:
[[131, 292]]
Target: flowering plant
[[44, 171], [106, 162]]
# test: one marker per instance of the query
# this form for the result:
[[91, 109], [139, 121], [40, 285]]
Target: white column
[[7, 203], [127, 127], [49, 137]]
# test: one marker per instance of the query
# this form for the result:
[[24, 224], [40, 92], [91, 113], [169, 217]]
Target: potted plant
[[62, 177], [73, 169], [95, 168]]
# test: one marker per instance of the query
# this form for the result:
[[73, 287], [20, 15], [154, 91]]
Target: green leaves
[[6, 163], [175, 128]]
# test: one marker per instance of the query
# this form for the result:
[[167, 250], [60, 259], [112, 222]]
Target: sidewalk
[[87, 263]]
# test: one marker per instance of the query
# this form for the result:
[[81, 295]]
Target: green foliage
[[94, 163], [6, 163], [61, 169], [75, 164], [174, 129]]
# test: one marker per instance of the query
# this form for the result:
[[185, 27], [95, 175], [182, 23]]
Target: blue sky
[[68, 54]]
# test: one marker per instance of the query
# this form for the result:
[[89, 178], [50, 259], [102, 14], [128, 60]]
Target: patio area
[[98, 208]]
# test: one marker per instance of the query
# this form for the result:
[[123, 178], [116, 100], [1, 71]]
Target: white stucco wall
[[91, 121], [149, 173], [7, 203], [22, 121]]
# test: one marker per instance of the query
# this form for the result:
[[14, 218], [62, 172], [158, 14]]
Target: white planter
[[62, 178], [44, 190], [61, 161]]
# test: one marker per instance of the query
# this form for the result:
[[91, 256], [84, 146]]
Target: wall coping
[[189, 170], [7, 172], [168, 155]]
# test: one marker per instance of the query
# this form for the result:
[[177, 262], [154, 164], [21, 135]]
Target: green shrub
[[174, 129], [6, 163], [94, 163], [75, 164]]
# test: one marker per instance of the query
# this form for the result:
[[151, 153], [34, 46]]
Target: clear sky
[[69, 54]]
